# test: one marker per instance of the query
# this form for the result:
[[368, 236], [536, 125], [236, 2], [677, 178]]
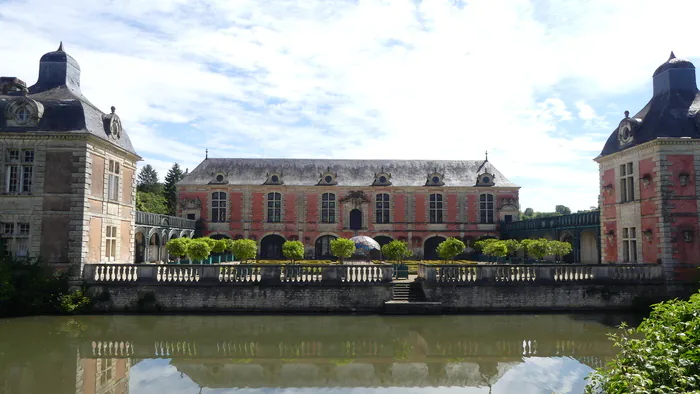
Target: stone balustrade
[[236, 274], [541, 273]]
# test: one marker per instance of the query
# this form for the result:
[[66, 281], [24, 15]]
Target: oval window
[[275, 179], [486, 179], [436, 180], [382, 179], [219, 178], [328, 179]]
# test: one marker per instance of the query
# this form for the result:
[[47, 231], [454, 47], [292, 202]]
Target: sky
[[540, 85]]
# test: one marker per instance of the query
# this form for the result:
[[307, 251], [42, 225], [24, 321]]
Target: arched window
[[218, 207], [274, 207], [435, 208], [486, 208], [328, 208], [383, 208]]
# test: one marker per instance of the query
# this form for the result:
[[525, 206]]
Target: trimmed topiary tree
[[481, 244], [496, 249], [560, 248], [513, 246], [342, 248], [198, 249], [209, 241], [293, 250], [219, 246], [396, 250], [450, 248], [538, 248], [244, 249], [177, 247]]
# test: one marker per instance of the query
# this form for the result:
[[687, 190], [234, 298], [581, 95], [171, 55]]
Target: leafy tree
[[496, 249], [538, 248], [197, 249], [662, 355], [211, 242], [219, 246], [244, 249], [148, 180], [560, 248], [342, 248], [562, 210], [529, 212], [396, 250], [293, 250], [151, 202], [177, 247], [173, 176], [229, 245], [513, 246], [450, 248], [482, 243]]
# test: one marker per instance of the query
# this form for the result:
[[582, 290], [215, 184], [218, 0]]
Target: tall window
[[328, 208], [435, 208], [111, 244], [274, 207], [19, 170], [626, 182], [113, 181], [629, 244], [486, 208], [218, 207], [15, 239], [383, 208]]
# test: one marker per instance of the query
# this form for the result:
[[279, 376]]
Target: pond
[[303, 354]]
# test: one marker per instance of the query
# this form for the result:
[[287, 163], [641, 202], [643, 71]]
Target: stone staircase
[[409, 298]]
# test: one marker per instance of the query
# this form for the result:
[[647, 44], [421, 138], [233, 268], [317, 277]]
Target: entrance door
[[355, 219]]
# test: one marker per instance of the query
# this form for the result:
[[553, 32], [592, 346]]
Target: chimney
[[12, 85]]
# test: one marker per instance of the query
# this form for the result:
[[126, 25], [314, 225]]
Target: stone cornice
[[647, 145], [68, 137]]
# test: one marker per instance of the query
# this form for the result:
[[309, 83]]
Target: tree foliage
[[151, 202], [562, 210], [496, 249], [538, 248], [293, 250], [342, 248], [219, 246], [396, 250], [662, 355], [244, 249], [560, 248], [177, 246], [147, 180], [482, 243], [173, 176], [513, 246], [450, 248], [198, 249]]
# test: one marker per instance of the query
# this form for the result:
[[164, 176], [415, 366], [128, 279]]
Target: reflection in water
[[300, 354]]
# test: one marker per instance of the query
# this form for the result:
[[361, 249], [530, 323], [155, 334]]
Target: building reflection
[[103, 376]]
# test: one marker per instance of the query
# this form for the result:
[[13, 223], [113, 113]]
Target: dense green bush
[[219, 246], [662, 355], [342, 248], [244, 249], [396, 250], [198, 249], [293, 250], [177, 247], [450, 248]]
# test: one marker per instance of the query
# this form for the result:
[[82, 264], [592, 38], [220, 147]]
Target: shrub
[[396, 250], [662, 355], [342, 248], [177, 247], [244, 249], [74, 302], [538, 248], [209, 241], [481, 244], [560, 248], [293, 250], [197, 249], [229, 245], [513, 246], [219, 246], [496, 249], [450, 248]]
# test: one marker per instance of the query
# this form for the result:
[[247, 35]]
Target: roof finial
[[487, 156], [113, 109], [206, 154], [60, 47], [673, 56], [627, 114]]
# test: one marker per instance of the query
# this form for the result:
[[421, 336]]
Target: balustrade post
[[331, 273], [209, 273], [270, 274], [89, 272], [430, 273], [147, 273], [485, 273], [543, 273]]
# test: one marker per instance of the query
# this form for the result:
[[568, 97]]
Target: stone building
[[649, 175], [314, 201], [67, 171]]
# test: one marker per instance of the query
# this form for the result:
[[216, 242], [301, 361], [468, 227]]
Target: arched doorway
[[271, 247], [382, 240], [139, 248], [323, 247], [569, 258], [154, 248], [355, 219], [430, 247]]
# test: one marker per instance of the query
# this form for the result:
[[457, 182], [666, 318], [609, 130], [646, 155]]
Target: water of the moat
[[302, 354]]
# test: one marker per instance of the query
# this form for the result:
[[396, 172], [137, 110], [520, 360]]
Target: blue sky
[[539, 84]]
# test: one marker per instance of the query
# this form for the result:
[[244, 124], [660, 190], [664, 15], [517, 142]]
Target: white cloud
[[380, 79]]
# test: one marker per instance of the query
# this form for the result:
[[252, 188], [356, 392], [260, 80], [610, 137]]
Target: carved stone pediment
[[194, 203], [509, 203], [356, 198]]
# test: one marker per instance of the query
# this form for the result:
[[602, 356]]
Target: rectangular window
[[190, 216], [486, 208], [629, 244], [111, 244], [19, 171], [626, 182], [274, 207], [15, 239], [328, 208], [218, 207], [435, 208], [113, 181], [383, 208], [508, 218]]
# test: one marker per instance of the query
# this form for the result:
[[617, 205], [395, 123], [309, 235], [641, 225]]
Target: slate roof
[[66, 110], [307, 172], [672, 112]]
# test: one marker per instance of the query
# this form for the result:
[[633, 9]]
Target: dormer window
[[219, 178], [23, 112], [435, 179], [627, 128], [382, 179], [485, 179], [273, 178], [328, 178]]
